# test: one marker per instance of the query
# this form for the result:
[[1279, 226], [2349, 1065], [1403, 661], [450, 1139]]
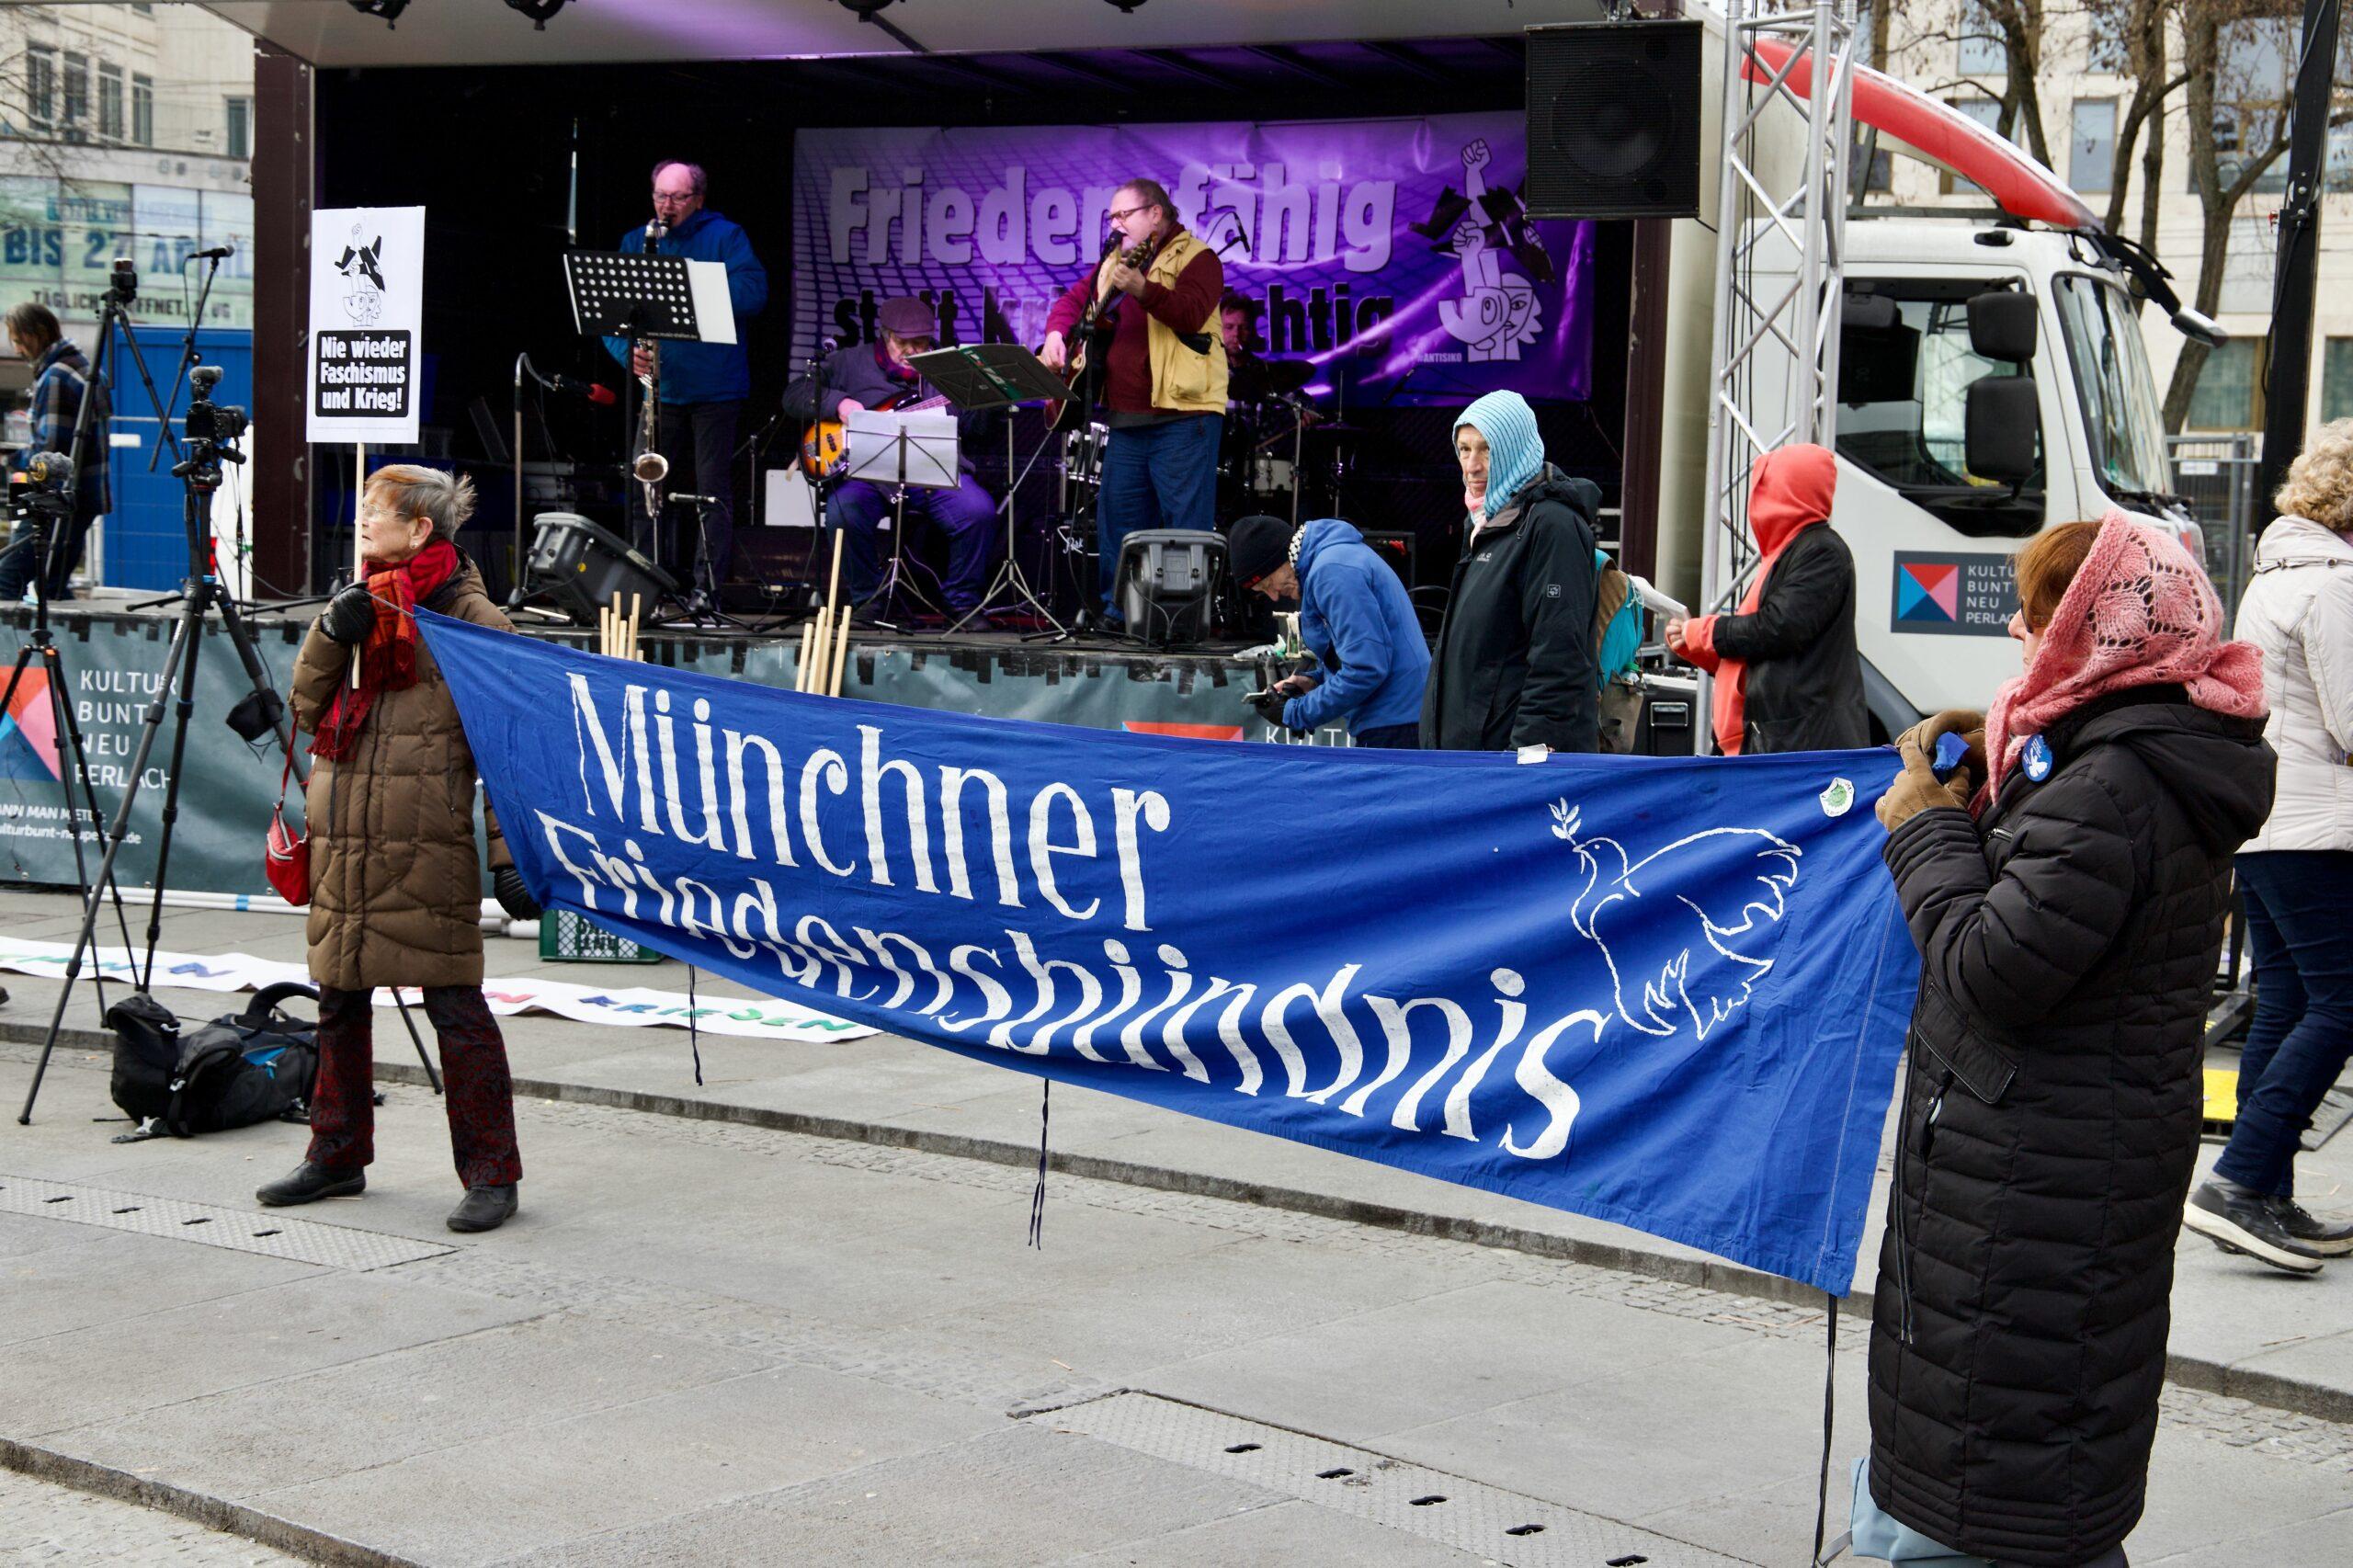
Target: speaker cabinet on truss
[[1613, 120]]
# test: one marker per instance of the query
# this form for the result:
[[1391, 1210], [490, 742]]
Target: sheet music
[[714, 308]]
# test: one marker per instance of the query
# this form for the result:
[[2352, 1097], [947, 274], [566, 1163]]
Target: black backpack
[[239, 1069]]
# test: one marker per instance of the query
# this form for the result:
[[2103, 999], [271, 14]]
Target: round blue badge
[[2038, 759]]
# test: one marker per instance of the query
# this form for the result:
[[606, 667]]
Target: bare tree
[[2143, 29], [2231, 87]]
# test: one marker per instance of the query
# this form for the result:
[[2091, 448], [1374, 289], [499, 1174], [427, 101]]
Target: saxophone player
[[702, 385]]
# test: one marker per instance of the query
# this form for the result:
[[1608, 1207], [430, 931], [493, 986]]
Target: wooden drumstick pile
[[615, 631], [824, 641]]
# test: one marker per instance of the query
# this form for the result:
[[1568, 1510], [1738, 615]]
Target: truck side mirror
[[2002, 325], [2000, 425]]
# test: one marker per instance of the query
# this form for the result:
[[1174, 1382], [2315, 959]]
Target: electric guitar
[[824, 442], [1102, 315]]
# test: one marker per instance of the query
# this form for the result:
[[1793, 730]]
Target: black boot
[[2239, 1219], [484, 1207], [309, 1182], [2313, 1233]]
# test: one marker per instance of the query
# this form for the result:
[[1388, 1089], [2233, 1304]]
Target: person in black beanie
[[1371, 661]]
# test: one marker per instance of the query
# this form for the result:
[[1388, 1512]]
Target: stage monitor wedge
[[1613, 120]]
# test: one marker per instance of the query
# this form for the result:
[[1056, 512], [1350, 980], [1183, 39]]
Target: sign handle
[[359, 554]]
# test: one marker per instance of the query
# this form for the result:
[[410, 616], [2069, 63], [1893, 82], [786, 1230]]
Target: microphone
[[216, 253], [602, 396]]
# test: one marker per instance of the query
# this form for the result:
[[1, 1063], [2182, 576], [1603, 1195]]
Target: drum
[[1270, 475], [1083, 454]]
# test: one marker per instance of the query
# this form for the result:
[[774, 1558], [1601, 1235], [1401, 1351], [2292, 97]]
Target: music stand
[[904, 451], [638, 297], [975, 378]]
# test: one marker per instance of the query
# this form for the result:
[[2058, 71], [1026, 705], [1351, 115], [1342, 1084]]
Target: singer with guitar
[[1162, 374], [877, 376], [702, 385]]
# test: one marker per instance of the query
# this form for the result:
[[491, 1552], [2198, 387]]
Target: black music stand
[[975, 378], [904, 460], [639, 297]]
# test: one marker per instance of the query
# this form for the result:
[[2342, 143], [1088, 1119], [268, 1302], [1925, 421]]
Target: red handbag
[[286, 855]]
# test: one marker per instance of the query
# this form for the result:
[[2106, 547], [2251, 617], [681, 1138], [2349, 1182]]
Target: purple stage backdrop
[[1393, 253]]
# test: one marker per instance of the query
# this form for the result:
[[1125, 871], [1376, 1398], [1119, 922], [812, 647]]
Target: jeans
[[1155, 476], [18, 563], [478, 1092], [699, 440], [1392, 737], [2301, 948], [863, 512]]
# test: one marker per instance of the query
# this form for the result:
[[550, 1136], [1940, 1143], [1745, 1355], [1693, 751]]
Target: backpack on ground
[[237, 1070]]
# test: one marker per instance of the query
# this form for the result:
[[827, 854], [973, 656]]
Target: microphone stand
[[187, 350], [514, 587]]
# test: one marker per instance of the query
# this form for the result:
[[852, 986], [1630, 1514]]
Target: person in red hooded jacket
[[1787, 677]]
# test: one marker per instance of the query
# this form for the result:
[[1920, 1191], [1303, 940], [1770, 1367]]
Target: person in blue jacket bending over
[[1371, 659], [704, 384]]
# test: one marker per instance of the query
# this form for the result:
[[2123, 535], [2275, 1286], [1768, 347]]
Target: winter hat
[[906, 316], [1256, 546], [1515, 448]]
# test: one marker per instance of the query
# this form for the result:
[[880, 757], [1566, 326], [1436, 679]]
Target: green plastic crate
[[566, 937]]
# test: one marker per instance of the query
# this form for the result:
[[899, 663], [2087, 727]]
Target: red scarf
[[388, 655], [1790, 492]]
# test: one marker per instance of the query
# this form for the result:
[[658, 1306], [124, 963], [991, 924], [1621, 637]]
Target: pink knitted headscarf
[[2139, 612]]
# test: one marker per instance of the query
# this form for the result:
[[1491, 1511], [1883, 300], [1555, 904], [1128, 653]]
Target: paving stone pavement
[[43, 1522]]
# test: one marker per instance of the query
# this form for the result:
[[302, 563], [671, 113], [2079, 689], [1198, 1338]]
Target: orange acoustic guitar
[[823, 447]]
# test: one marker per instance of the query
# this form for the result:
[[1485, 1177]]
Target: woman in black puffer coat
[[2069, 917]]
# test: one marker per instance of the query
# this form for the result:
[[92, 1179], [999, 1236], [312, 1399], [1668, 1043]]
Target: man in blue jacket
[[1353, 616], [704, 384]]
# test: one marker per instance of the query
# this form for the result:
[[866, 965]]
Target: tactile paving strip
[[1485, 1522], [268, 1232]]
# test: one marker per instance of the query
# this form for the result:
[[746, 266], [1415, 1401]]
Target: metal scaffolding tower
[[1776, 360]]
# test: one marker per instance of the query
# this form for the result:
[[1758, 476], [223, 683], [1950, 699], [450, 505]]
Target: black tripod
[[211, 430], [50, 501]]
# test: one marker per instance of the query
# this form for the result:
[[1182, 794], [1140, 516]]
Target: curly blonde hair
[[2319, 487]]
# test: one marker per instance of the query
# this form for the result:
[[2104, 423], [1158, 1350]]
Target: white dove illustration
[[1725, 909]]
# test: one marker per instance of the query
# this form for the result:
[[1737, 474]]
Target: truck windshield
[[2119, 400]]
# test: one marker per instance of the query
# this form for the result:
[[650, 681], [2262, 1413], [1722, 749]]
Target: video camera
[[208, 420]]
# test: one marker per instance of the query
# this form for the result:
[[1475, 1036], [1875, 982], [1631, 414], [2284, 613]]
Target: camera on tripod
[[208, 420], [44, 490]]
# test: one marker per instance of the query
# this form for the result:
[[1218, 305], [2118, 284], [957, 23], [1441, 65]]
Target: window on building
[[147, 10], [2337, 379], [241, 123], [40, 86], [73, 102], [1986, 112], [2091, 146], [143, 111], [1980, 53], [2229, 394], [2104, 55], [110, 102]]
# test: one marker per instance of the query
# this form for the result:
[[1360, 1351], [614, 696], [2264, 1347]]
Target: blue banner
[[1664, 992]]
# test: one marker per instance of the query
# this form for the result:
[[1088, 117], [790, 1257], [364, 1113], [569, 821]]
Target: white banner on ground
[[367, 307], [632, 1006]]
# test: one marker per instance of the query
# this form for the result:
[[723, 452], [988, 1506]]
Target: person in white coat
[[2296, 874]]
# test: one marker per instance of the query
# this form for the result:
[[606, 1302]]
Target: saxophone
[[649, 467]]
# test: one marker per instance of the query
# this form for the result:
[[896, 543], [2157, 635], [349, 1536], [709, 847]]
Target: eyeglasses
[[674, 197], [1124, 214]]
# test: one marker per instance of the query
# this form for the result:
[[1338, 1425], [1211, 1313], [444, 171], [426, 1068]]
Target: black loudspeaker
[[577, 566], [1613, 120], [1167, 584]]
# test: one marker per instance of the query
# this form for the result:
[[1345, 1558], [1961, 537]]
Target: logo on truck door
[[1954, 595]]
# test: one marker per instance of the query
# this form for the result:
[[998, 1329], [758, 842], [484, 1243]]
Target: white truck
[[1955, 442]]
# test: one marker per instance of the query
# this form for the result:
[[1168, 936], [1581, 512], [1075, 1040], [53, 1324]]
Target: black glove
[[1270, 706], [506, 886], [350, 614]]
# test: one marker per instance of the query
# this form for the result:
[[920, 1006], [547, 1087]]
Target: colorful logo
[[29, 730], [1928, 590]]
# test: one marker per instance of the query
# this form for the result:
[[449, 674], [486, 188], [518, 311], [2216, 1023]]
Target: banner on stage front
[[367, 310], [1667, 991], [1395, 256]]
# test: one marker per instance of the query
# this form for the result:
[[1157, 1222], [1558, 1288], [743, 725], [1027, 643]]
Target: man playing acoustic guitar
[[877, 375], [1163, 378]]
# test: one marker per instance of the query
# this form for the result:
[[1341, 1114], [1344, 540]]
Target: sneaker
[[2315, 1234], [308, 1183], [2238, 1219], [484, 1207]]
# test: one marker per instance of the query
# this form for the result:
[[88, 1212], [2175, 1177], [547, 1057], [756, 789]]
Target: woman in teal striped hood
[[1514, 663]]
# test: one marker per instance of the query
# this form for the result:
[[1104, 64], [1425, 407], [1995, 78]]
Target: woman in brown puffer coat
[[395, 887]]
